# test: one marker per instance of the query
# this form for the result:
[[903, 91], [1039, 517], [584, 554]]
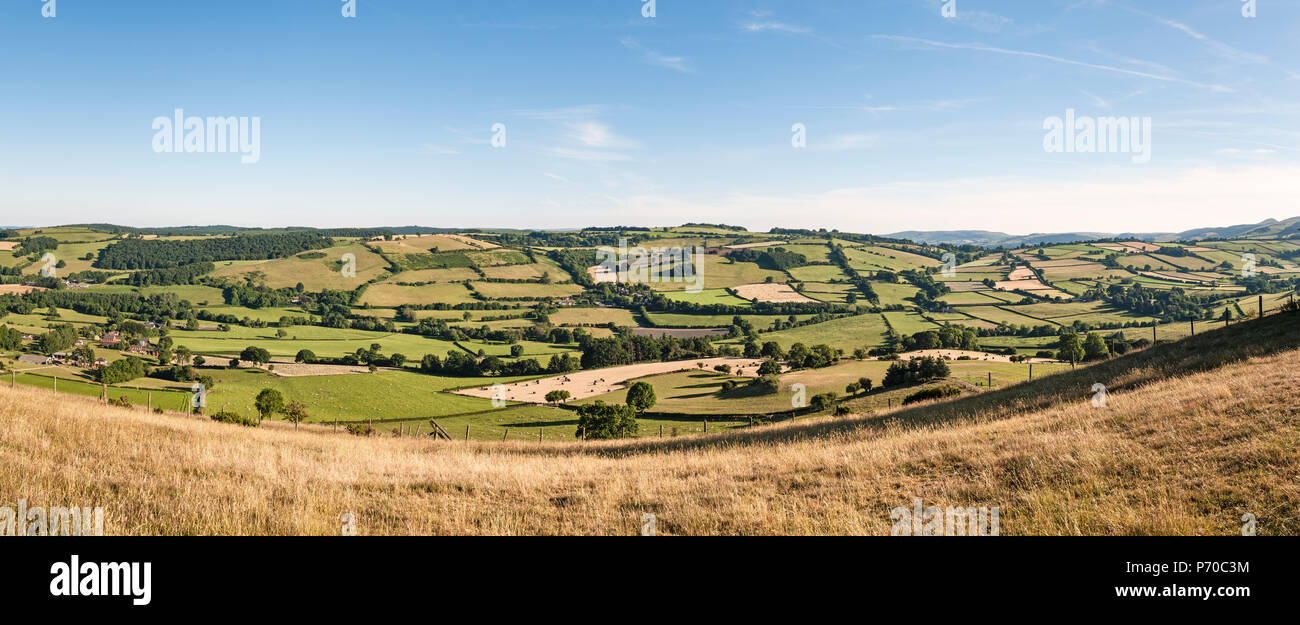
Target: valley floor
[[1193, 435]]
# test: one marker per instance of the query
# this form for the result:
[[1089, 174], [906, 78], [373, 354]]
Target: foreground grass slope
[[1194, 435]]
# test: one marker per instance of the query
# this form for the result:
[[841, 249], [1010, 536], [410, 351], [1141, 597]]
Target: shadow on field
[[1211, 350]]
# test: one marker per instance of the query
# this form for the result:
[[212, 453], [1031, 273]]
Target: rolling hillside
[[1195, 434]]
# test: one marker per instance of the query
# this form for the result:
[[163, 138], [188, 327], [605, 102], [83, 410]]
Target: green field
[[708, 297], [876, 258], [720, 273], [817, 273], [894, 293], [675, 320], [908, 322], [848, 333], [420, 276]]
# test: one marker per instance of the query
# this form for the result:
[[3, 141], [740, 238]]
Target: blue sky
[[913, 120]]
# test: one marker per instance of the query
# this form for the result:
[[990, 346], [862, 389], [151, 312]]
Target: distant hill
[[1269, 228]]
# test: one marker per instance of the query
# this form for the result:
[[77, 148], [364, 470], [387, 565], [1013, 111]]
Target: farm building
[[110, 339]]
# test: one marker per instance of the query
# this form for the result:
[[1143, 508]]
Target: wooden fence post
[[504, 434], [706, 426], [990, 380], [466, 433], [1261, 307], [540, 432], [1031, 372], [103, 392], [150, 401], [661, 431]]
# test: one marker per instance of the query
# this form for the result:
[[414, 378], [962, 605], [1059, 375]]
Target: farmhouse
[[110, 340], [34, 359]]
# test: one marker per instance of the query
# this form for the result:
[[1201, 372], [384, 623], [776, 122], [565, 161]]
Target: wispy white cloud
[[588, 156], [1150, 66], [1108, 103], [924, 105], [781, 27], [594, 134], [676, 63], [439, 150], [1218, 48], [1048, 57], [564, 113], [847, 142]]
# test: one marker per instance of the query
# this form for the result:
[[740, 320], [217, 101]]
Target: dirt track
[[583, 384]]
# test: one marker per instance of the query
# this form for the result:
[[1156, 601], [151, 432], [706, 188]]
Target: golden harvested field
[[775, 293], [409, 244], [533, 271], [18, 289], [1194, 435], [384, 294], [315, 273], [592, 316], [493, 290]]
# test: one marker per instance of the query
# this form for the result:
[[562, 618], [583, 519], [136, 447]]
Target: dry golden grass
[[1195, 435]]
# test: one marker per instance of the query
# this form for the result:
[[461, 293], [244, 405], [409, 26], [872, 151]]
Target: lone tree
[[823, 401], [269, 402], [557, 397], [1071, 349], [641, 397], [305, 356], [295, 412], [255, 355], [1094, 347], [606, 421]]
